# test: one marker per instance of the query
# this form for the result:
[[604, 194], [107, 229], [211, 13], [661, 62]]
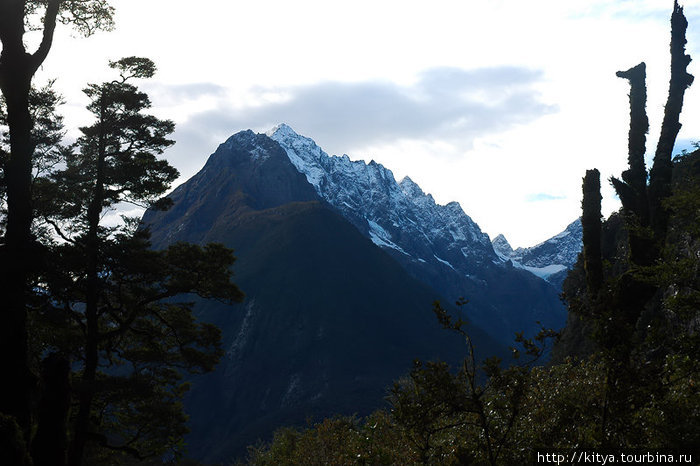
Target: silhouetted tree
[[643, 204], [660, 174], [113, 307], [591, 225], [631, 297], [18, 251]]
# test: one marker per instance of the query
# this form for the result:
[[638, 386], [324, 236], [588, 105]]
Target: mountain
[[502, 247], [330, 320], [550, 260], [398, 216], [440, 245], [340, 264]]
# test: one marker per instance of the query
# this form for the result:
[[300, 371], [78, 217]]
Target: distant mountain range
[[550, 260], [340, 264], [440, 245]]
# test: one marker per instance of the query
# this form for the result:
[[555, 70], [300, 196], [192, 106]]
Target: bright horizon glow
[[500, 106]]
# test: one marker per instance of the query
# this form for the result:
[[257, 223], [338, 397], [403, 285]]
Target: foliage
[[47, 134], [20, 255], [105, 300], [338, 440], [559, 407], [112, 306]]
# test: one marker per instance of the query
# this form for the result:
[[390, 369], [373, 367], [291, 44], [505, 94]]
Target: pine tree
[[113, 307], [18, 249]]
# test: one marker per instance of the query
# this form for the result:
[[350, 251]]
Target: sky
[[500, 105]]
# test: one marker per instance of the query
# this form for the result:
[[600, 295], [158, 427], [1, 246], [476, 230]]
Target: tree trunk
[[592, 229], [16, 71], [82, 422], [18, 254], [660, 176], [51, 441], [636, 175]]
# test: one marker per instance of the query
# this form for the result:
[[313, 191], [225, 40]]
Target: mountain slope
[[440, 245], [329, 321]]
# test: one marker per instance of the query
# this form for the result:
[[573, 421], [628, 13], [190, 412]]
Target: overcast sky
[[500, 105]]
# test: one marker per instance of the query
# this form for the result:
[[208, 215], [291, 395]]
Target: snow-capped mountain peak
[[410, 188], [550, 259], [396, 216], [283, 130], [502, 247], [402, 219]]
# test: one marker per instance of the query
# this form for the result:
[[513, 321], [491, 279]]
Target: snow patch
[[293, 390], [234, 351], [259, 154], [542, 272], [444, 262], [382, 238]]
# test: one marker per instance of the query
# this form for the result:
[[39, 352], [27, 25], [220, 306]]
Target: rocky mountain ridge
[[550, 259], [340, 264], [438, 244], [396, 215], [330, 320], [400, 216]]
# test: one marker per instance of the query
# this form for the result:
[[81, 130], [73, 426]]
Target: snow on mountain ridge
[[548, 258], [410, 188], [400, 216], [394, 215], [562, 248], [502, 247]]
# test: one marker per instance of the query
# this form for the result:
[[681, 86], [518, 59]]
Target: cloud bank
[[443, 104]]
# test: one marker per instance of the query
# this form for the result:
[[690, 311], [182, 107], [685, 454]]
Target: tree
[[18, 250], [471, 416], [590, 222], [626, 303], [47, 134], [113, 307]]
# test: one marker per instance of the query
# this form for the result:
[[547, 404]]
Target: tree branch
[[49, 27], [58, 230]]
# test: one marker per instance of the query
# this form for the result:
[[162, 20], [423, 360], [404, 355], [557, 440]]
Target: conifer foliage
[[106, 313], [93, 341], [18, 250], [112, 310]]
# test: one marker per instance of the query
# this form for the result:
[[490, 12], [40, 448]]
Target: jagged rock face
[[559, 249], [440, 245], [399, 216], [329, 322], [551, 259], [502, 247]]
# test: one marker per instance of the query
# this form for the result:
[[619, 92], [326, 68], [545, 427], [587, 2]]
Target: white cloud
[[325, 66], [444, 104]]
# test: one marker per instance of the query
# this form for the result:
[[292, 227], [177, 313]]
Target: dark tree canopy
[[18, 250], [114, 309]]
